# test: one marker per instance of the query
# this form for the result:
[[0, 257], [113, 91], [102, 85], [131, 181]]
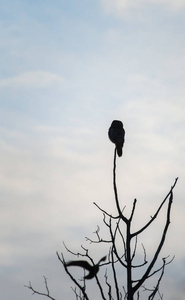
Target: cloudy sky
[[68, 68]]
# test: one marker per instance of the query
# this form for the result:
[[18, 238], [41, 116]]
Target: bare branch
[[104, 220], [96, 276], [78, 296], [73, 253], [134, 251], [109, 215], [145, 276], [154, 217], [39, 293], [122, 237], [144, 263], [114, 274], [115, 191], [125, 293], [113, 236], [99, 240], [133, 209], [100, 288], [82, 288], [156, 288], [109, 286], [165, 264]]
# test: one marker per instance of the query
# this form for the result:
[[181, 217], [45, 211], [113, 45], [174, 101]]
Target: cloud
[[37, 79], [120, 7], [174, 5]]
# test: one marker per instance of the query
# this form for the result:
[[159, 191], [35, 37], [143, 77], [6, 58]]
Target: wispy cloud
[[120, 7], [34, 79]]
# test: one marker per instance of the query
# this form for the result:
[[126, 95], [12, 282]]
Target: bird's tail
[[119, 151]]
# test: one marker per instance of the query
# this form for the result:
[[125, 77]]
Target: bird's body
[[117, 135], [93, 270]]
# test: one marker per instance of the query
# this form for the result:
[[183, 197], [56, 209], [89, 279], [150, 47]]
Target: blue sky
[[68, 68]]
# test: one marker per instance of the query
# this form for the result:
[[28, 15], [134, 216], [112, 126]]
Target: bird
[[93, 270], [116, 134]]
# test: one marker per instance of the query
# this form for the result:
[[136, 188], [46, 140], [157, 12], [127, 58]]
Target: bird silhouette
[[93, 270], [117, 135]]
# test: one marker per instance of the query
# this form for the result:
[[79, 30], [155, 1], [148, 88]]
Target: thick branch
[[156, 288], [146, 275], [129, 263]]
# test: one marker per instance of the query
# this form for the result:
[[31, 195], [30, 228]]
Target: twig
[[100, 240], [109, 215], [109, 286], [73, 279], [133, 209], [73, 253], [134, 251], [144, 263], [39, 293]]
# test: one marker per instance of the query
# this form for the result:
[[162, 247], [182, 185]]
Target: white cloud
[[175, 5], [119, 7], [31, 79]]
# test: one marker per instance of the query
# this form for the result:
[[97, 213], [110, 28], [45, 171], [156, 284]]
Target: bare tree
[[123, 245]]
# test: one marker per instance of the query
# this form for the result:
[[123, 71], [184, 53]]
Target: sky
[[68, 68]]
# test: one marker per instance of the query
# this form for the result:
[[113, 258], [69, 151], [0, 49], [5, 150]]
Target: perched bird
[[93, 270], [117, 135]]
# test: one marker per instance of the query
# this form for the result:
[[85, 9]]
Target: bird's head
[[117, 124]]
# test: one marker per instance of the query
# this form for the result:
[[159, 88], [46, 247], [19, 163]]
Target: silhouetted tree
[[122, 253]]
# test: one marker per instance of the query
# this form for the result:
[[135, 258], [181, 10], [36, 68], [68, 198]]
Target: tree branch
[[133, 209], [114, 275], [115, 191], [113, 236], [39, 293], [154, 217], [100, 240], [109, 215], [146, 275], [73, 279], [109, 286]]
